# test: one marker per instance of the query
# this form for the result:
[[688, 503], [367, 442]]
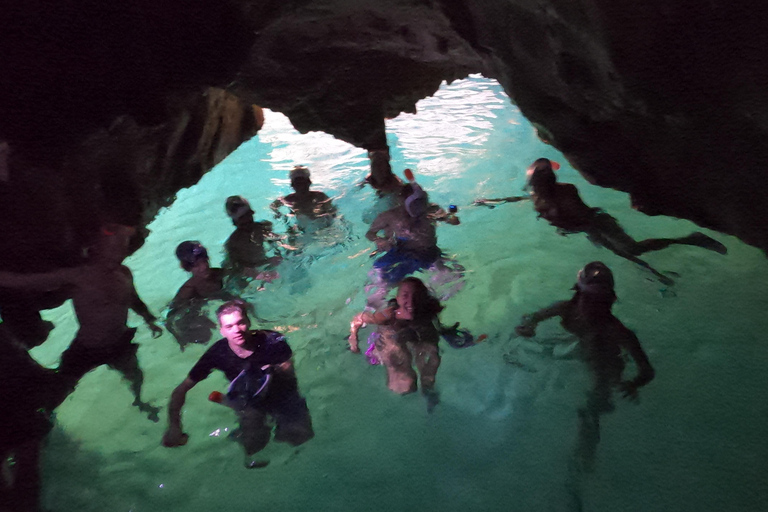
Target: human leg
[[396, 358], [128, 365], [427, 359], [254, 433], [294, 424]]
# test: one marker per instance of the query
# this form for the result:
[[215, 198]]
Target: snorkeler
[[262, 383], [102, 292], [602, 339], [561, 205], [29, 395], [409, 243], [186, 319], [246, 255], [408, 329], [306, 205]]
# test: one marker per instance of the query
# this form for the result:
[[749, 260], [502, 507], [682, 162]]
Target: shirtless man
[[102, 293], [245, 246], [309, 204], [602, 339], [186, 318]]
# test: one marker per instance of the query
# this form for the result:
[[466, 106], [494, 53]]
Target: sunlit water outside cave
[[504, 435]]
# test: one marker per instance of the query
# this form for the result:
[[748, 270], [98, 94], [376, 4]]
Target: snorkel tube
[[416, 203]]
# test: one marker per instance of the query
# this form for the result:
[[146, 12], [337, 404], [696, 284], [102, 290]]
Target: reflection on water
[[503, 436]]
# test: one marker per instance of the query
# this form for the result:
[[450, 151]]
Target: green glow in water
[[503, 436]]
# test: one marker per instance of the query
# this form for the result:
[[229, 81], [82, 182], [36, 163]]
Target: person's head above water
[[189, 253], [233, 321], [413, 296], [414, 199], [300, 180], [541, 174], [595, 283], [239, 209]]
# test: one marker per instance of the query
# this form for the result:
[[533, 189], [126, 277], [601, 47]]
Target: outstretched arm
[[528, 323], [40, 282], [361, 320], [174, 435], [492, 203]]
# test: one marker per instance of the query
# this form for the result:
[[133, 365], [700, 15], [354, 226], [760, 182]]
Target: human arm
[[645, 372], [174, 435], [143, 311], [361, 320], [42, 281], [528, 323], [380, 223], [492, 203]]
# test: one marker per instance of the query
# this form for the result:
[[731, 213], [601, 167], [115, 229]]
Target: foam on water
[[503, 435]]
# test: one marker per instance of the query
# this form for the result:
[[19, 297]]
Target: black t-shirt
[[270, 348]]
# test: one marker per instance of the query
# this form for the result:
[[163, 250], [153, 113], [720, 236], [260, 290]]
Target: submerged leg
[[128, 366], [397, 359]]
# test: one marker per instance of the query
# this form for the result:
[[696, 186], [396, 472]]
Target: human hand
[[526, 330], [382, 244], [174, 437], [353, 343], [628, 390], [157, 331]]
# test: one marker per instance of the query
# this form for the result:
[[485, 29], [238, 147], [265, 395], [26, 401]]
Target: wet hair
[[232, 306], [425, 305], [594, 289], [542, 176], [190, 252]]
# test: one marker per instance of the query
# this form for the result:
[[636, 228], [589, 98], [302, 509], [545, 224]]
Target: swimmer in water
[[408, 330], [409, 244], [102, 292], [303, 202], [186, 319], [248, 355], [560, 205], [602, 339]]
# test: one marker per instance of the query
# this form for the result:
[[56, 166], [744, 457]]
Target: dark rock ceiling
[[110, 107]]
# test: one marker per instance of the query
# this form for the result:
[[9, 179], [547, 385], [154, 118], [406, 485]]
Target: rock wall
[[104, 111]]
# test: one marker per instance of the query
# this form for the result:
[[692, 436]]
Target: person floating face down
[[102, 292], [407, 330], [245, 247], [560, 205], [262, 383], [310, 208], [186, 318], [603, 339]]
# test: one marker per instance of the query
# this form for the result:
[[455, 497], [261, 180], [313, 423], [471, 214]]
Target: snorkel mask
[[595, 279], [416, 203]]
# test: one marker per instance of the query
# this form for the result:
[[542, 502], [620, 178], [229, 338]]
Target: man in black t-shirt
[[258, 364]]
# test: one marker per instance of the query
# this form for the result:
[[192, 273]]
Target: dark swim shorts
[[395, 265]]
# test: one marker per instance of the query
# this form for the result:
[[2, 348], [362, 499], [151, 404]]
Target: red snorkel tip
[[409, 175], [555, 165]]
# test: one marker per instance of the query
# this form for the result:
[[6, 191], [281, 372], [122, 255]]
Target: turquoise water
[[504, 435]]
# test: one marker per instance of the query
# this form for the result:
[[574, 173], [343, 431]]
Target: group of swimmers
[[258, 362]]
